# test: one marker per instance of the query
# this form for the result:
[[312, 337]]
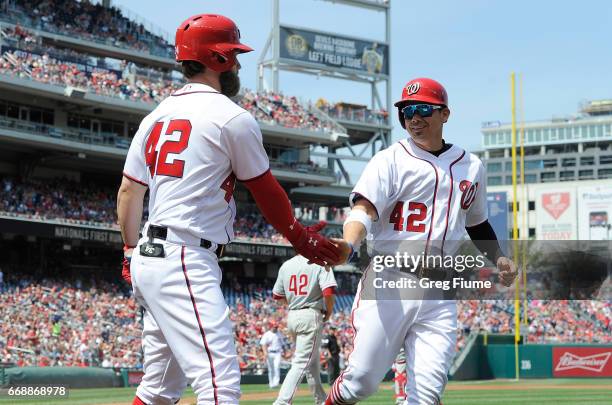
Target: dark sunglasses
[[424, 110]]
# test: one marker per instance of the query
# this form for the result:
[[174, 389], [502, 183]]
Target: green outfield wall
[[494, 356], [484, 357], [73, 377]]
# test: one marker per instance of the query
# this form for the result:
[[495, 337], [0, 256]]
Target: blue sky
[[561, 48]]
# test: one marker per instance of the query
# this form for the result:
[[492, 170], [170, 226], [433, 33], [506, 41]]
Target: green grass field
[[529, 392]]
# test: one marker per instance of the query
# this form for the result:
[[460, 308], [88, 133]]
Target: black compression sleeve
[[485, 240]]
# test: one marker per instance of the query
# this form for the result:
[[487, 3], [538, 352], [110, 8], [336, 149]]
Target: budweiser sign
[[586, 361], [595, 362]]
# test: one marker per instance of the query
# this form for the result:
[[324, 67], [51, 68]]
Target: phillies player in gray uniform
[[188, 153], [309, 291], [417, 191]]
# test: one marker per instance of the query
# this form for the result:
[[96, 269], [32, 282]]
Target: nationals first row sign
[[582, 361], [333, 52]]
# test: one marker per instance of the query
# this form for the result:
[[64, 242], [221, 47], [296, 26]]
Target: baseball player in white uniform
[[309, 290], [272, 345], [418, 189], [188, 153]]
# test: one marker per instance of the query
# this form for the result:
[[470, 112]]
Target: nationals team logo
[[556, 203], [413, 88], [468, 193], [596, 362]]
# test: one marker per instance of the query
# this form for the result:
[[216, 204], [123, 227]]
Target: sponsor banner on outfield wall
[[556, 214], [134, 378], [333, 51], [595, 212], [582, 361]]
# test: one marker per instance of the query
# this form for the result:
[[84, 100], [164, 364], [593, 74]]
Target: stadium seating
[[27, 58], [92, 205], [84, 323], [58, 199], [60, 323], [87, 21]]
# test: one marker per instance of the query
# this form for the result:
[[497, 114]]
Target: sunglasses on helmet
[[424, 110]]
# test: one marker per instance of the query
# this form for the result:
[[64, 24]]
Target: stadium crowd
[[28, 58], [19, 38], [577, 321], [58, 199], [90, 204], [59, 323], [91, 322], [104, 82], [85, 20], [277, 109]]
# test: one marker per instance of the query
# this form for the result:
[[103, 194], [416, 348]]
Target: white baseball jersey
[[302, 284], [272, 340], [419, 196], [189, 151]]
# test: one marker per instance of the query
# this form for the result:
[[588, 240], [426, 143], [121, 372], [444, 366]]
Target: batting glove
[[127, 258], [314, 246]]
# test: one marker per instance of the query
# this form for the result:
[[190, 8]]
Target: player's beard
[[230, 83]]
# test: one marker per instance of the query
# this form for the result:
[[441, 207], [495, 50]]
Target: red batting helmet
[[421, 90], [211, 39]]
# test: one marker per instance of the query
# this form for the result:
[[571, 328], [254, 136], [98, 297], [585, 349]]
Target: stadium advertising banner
[[43, 229], [134, 378], [497, 204], [556, 214], [582, 361], [258, 250], [594, 212], [22, 226], [333, 51]]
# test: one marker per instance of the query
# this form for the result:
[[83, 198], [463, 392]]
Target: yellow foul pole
[[515, 227], [525, 199]]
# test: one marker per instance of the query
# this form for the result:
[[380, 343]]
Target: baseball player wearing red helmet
[[421, 191], [188, 153]]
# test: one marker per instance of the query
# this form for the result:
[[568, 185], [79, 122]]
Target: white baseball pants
[[425, 328], [273, 362], [187, 335]]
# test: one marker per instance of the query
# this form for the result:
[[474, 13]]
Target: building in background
[[568, 174]]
